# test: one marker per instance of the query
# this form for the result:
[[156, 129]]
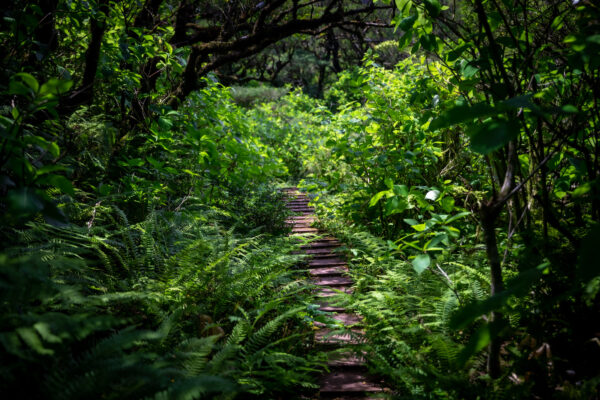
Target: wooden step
[[300, 219], [323, 262], [347, 382], [335, 281], [329, 271], [320, 244], [300, 223], [323, 250], [304, 230], [330, 305], [346, 359], [332, 336], [334, 291], [344, 319]]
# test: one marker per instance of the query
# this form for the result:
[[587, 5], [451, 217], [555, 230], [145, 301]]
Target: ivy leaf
[[421, 262]]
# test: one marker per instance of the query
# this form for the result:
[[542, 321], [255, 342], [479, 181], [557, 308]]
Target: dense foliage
[[144, 250]]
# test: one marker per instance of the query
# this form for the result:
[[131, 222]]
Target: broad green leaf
[[433, 7], [51, 147], [448, 204], [395, 205], [401, 190], [469, 70], [478, 341], [29, 80], [405, 40], [46, 169], [31, 338], [377, 197], [456, 53], [419, 227], [421, 262], [462, 113], [59, 182], [402, 4], [389, 183], [407, 23], [457, 216], [429, 42], [56, 87], [582, 189], [493, 135], [569, 109], [135, 162]]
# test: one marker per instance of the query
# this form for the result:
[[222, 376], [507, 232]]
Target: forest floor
[[328, 269]]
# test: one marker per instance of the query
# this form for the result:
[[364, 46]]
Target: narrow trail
[[328, 269]]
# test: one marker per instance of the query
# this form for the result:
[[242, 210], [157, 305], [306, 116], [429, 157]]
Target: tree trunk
[[84, 94], [489, 213]]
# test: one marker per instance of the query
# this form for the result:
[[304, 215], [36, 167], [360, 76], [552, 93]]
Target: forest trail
[[348, 377]]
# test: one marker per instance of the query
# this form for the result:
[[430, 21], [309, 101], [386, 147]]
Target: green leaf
[[56, 87], [569, 109], [421, 262], [401, 4], [479, 340], [582, 189], [469, 70], [135, 162], [429, 42], [39, 141], [407, 23], [405, 40], [457, 216], [59, 182], [29, 80], [46, 169], [395, 205], [419, 227], [462, 113], [375, 199], [31, 338], [401, 190], [433, 7], [456, 53], [389, 183], [493, 135], [448, 204]]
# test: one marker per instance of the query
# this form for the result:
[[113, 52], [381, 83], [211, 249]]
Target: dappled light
[[300, 199]]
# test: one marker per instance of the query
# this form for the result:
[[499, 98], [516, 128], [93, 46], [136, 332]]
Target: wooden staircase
[[328, 269]]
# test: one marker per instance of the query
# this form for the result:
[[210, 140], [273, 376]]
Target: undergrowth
[[177, 306]]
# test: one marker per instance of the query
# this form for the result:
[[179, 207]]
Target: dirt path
[[328, 268]]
